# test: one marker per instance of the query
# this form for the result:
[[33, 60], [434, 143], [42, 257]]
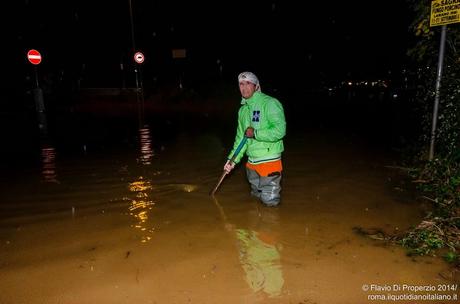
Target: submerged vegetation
[[439, 182]]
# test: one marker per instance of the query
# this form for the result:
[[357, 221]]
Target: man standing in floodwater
[[261, 119]]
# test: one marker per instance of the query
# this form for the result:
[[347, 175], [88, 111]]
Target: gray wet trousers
[[266, 188]]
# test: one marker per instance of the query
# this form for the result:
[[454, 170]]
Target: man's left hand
[[249, 132]]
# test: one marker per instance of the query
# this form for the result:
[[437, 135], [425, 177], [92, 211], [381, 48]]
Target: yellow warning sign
[[444, 12]]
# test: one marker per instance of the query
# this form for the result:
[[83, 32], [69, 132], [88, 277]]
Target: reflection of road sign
[[139, 57], [34, 57], [444, 12]]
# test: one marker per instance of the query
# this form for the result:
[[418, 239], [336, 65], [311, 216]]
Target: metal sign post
[[442, 13], [179, 55], [35, 58], [437, 93], [139, 59]]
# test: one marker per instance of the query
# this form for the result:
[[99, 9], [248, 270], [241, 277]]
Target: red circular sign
[[139, 57], [34, 57]]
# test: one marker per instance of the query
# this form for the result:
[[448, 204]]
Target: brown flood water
[[125, 228]]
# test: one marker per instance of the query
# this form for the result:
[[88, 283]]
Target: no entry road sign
[[34, 57], [139, 57]]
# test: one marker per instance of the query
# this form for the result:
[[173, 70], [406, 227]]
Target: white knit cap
[[251, 77]]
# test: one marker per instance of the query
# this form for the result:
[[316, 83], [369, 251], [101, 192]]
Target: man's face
[[247, 89]]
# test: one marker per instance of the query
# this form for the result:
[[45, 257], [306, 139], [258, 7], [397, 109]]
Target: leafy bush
[[422, 242], [439, 182]]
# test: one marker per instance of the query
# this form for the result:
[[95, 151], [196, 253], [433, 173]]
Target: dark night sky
[[330, 39]]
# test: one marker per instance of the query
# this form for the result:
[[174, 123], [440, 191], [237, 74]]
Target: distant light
[[350, 83]]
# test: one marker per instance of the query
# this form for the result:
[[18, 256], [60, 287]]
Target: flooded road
[[136, 225]]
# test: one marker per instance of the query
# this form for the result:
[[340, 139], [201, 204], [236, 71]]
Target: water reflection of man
[[259, 254]]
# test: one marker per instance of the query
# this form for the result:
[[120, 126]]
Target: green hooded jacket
[[266, 115]]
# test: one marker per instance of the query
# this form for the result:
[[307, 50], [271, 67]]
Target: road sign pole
[[36, 77], [139, 59], [138, 98], [139, 94], [40, 108], [35, 58], [437, 91]]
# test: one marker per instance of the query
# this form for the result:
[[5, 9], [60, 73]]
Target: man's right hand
[[229, 165]]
